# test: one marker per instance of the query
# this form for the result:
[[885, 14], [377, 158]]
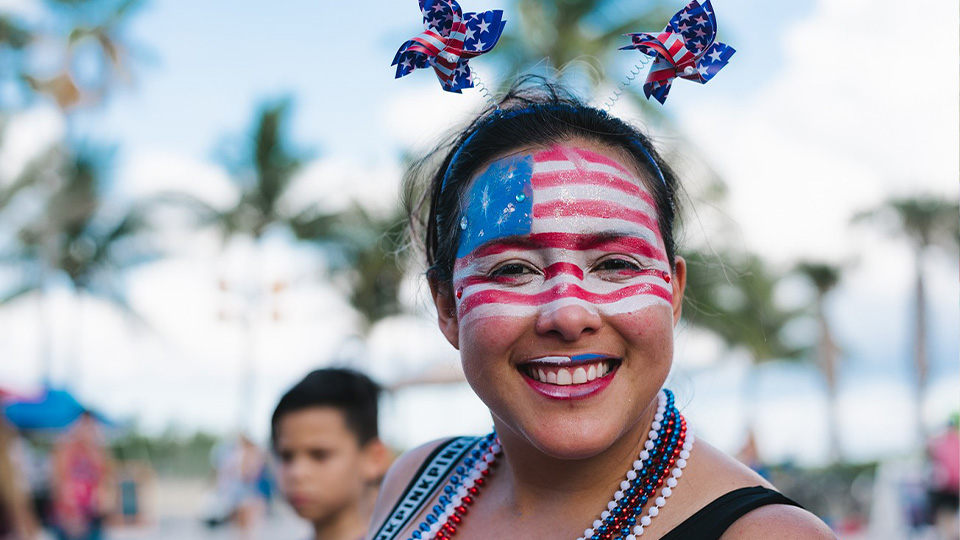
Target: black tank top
[[709, 523]]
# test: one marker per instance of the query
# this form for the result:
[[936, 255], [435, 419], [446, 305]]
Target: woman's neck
[[531, 478]]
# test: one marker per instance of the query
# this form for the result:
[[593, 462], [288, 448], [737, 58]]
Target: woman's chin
[[571, 438]]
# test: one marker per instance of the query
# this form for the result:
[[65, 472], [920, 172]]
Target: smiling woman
[[549, 241]]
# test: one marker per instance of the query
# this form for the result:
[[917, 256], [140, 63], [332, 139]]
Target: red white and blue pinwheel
[[687, 48], [449, 40]]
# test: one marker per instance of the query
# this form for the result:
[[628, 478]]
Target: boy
[[324, 432]]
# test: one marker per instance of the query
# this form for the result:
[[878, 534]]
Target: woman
[[553, 269]]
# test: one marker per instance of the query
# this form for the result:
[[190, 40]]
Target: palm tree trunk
[[828, 365], [920, 345]]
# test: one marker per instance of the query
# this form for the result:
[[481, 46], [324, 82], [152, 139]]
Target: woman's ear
[[679, 282], [446, 311]]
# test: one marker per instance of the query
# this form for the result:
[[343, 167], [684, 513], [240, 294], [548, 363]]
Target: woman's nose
[[570, 322]]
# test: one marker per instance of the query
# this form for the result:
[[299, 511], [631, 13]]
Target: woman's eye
[[511, 270], [618, 265]]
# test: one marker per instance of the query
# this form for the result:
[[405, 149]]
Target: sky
[[812, 121]]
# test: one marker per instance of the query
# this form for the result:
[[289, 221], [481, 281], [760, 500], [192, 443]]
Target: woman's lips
[[569, 377]]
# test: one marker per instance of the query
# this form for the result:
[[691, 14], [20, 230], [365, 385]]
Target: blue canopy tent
[[54, 409]]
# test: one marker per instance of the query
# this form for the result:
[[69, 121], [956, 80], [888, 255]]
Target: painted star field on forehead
[[581, 227]]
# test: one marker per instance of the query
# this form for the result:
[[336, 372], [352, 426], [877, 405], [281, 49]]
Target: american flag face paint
[[558, 227]]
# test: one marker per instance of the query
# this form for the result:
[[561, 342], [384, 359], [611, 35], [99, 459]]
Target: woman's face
[[563, 301]]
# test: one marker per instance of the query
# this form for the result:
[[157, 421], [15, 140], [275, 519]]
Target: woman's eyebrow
[[574, 241]]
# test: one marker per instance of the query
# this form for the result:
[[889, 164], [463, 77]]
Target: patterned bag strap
[[424, 484]]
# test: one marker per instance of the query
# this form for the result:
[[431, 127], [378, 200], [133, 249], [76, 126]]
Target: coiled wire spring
[[626, 82]]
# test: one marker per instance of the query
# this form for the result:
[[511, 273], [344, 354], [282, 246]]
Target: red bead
[[467, 499], [473, 490], [455, 518], [449, 528], [462, 509], [479, 481]]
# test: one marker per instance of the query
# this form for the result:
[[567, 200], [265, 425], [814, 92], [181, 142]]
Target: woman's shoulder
[[409, 466], [788, 522], [713, 475]]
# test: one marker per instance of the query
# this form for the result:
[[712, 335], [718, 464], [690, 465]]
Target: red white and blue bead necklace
[[659, 467]]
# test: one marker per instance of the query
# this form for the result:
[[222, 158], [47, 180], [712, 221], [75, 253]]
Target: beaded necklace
[[659, 466]]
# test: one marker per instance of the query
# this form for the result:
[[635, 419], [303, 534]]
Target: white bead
[[681, 463], [671, 482], [618, 495], [677, 473], [611, 505], [462, 491], [456, 500], [653, 435], [624, 485], [597, 524], [631, 537], [648, 445], [483, 465], [638, 530], [658, 417], [496, 448], [684, 454], [469, 483], [655, 425], [644, 455], [489, 458], [645, 521], [638, 464], [661, 501], [654, 510], [588, 533], [604, 514], [667, 491], [631, 474]]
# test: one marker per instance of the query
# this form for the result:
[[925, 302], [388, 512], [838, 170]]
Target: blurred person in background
[[240, 467], [944, 451], [83, 490], [324, 433], [17, 521]]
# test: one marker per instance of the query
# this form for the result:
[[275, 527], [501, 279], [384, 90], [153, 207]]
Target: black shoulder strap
[[711, 521], [424, 484]]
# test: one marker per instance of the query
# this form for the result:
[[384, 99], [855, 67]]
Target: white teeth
[[567, 376]]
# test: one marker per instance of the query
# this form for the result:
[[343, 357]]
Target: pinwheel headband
[[450, 39], [686, 48]]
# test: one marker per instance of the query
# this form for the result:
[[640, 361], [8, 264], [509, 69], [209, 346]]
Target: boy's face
[[323, 469]]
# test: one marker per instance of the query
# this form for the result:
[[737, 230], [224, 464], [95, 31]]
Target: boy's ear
[[446, 310], [377, 458]]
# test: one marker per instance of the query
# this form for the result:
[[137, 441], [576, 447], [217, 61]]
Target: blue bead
[[444, 500], [449, 490], [424, 527], [431, 519], [469, 462], [416, 535], [437, 510]]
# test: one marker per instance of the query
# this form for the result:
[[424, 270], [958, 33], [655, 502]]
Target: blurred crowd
[[67, 485]]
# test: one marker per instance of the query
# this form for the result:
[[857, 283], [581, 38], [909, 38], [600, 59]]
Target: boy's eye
[[285, 456]]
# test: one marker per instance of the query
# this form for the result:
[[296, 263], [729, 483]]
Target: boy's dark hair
[[351, 392], [534, 112]]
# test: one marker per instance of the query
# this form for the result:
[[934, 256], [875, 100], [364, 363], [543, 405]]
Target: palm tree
[[824, 278], [560, 31], [97, 22], [925, 221], [733, 297], [77, 236]]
